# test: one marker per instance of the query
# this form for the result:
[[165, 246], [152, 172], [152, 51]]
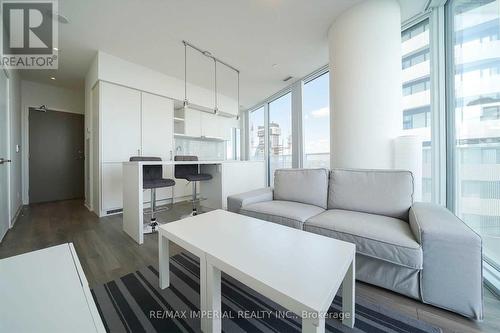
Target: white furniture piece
[[299, 270], [126, 122], [215, 191], [46, 291], [129, 122], [118, 92]]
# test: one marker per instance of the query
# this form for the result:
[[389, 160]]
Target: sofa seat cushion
[[289, 213], [376, 236]]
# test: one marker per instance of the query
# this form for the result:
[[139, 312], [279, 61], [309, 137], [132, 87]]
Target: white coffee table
[[47, 291], [299, 270]]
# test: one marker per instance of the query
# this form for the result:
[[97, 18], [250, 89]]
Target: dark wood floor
[[107, 253]]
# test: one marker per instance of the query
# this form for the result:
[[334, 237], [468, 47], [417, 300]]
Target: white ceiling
[[250, 35]]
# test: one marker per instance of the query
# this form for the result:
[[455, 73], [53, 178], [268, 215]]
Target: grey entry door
[[56, 156]]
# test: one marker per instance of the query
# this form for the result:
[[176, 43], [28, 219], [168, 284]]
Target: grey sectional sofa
[[417, 249]]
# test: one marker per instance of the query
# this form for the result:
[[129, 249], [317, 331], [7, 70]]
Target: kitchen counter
[[227, 180]]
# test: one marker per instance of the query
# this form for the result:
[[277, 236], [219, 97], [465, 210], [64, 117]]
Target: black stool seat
[[191, 173], [152, 178], [198, 177], [157, 183]]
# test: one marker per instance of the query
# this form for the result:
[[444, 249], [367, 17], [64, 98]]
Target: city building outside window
[[256, 134], [280, 134], [416, 86]]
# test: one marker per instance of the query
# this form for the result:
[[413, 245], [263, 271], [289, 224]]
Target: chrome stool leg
[[195, 211], [153, 222]]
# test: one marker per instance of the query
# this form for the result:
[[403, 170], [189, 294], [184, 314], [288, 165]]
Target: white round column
[[365, 85]]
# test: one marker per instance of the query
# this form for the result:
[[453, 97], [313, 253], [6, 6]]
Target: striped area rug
[[134, 303]]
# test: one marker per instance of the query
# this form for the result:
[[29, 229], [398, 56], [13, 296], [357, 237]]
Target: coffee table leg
[[214, 324], [164, 261], [348, 299], [313, 325]]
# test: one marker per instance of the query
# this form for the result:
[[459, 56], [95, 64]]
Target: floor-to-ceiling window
[[280, 134], [303, 107], [474, 110], [316, 122], [256, 132], [415, 50]]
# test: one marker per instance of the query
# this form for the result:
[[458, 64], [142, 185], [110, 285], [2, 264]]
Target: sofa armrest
[[236, 201], [451, 277]]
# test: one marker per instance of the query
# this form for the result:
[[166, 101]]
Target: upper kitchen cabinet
[[212, 126], [120, 112], [157, 126], [192, 122]]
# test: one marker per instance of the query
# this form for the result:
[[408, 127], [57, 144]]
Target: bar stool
[[152, 178], [191, 173]]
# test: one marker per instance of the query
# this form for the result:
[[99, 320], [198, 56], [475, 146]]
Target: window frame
[[295, 89], [491, 269], [311, 77], [294, 134], [437, 82]]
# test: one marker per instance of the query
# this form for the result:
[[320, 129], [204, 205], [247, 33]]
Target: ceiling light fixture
[[42, 108], [52, 78], [55, 49]]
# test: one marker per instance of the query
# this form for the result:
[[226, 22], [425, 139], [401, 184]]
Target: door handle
[[3, 160]]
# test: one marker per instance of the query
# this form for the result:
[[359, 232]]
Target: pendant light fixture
[[185, 103], [215, 110]]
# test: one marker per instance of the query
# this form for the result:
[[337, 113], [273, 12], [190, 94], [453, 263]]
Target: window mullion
[[438, 105]]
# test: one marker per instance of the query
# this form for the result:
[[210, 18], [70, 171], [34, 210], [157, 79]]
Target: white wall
[[54, 97], [15, 171], [116, 70], [365, 85], [34, 94]]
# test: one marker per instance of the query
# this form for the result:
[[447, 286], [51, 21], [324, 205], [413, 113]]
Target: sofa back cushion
[[309, 186], [382, 192]]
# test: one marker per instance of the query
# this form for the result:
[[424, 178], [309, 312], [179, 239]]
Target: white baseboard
[[147, 204], [16, 215], [12, 222], [2, 236], [88, 207]]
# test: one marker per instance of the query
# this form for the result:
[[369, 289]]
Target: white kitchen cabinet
[[120, 132], [212, 126], [192, 122], [111, 187], [131, 123], [157, 126]]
